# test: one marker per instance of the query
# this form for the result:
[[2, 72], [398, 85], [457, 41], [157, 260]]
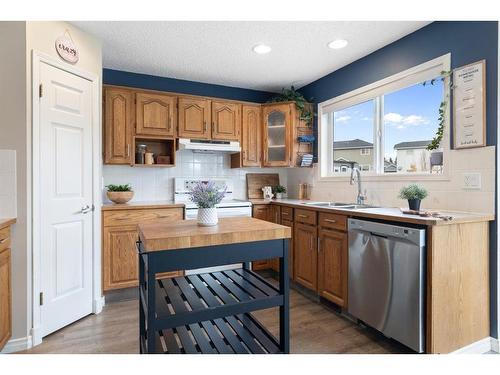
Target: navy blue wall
[[467, 42], [145, 81]]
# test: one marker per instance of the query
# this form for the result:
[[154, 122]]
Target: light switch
[[471, 181]]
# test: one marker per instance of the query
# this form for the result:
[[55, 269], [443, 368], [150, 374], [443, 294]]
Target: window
[[385, 127], [352, 135]]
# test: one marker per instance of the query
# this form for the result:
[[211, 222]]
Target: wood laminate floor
[[314, 327]]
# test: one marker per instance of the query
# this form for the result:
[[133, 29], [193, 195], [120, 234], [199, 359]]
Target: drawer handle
[[164, 216], [3, 240], [331, 221], [284, 213], [300, 215]]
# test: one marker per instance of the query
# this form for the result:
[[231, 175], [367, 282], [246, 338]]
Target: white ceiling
[[221, 52]]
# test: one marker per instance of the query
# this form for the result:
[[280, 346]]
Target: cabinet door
[[251, 136], [261, 212], [194, 118], [118, 125], [277, 126], [332, 266], [226, 121], [5, 298], [155, 114], [306, 255], [120, 263]]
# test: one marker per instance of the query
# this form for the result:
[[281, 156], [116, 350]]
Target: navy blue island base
[[211, 312]]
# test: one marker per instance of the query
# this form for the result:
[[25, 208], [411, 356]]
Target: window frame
[[375, 92]]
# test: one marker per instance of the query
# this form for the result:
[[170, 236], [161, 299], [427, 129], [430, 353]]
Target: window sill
[[377, 177]]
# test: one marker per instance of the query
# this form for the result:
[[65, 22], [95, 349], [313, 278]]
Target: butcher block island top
[[187, 233]]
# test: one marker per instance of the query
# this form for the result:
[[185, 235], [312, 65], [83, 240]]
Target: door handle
[[86, 209], [205, 126]]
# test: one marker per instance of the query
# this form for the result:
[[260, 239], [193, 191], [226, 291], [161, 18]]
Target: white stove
[[229, 207]]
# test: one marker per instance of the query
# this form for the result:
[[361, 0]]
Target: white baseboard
[[479, 347], [98, 304], [495, 345], [16, 345]]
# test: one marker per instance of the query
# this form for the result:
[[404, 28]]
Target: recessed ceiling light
[[338, 44], [261, 49]]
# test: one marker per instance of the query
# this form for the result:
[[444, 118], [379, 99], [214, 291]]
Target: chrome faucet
[[360, 199]]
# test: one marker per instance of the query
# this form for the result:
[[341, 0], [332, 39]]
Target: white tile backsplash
[[8, 190], [446, 194], [152, 184]]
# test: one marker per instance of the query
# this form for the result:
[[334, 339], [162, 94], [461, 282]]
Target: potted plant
[[436, 157], [414, 194], [292, 95], [119, 193], [278, 191], [206, 196]]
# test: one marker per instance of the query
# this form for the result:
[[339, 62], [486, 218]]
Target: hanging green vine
[[436, 141], [292, 95]]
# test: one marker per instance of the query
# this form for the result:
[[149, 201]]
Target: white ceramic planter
[[207, 217], [279, 195]]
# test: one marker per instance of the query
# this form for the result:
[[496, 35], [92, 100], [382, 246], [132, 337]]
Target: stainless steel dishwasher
[[387, 279]]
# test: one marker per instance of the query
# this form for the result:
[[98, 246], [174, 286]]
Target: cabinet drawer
[[332, 221], [305, 216], [4, 238], [134, 217], [286, 213]]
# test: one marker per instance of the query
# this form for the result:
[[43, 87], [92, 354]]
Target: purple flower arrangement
[[206, 195]]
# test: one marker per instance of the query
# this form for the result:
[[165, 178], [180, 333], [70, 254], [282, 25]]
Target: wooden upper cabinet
[[194, 118], [332, 266], [305, 255], [118, 126], [277, 129], [251, 136], [156, 114], [226, 121]]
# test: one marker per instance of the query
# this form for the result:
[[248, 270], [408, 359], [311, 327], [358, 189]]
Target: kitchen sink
[[347, 206], [327, 204]]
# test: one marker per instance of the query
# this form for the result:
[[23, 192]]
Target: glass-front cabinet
[[277, 128]]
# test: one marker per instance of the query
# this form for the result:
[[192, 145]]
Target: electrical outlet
[[471, 181]]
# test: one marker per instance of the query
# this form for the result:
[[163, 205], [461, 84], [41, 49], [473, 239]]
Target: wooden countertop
[[387, 213], [187, 233], [5, 222], [140, 205]]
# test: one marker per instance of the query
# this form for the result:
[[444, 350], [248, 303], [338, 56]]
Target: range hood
[[209, 146]]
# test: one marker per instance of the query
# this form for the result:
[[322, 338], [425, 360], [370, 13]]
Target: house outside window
[[385, 127]]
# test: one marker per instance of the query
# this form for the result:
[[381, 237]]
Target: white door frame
[[34, 278]]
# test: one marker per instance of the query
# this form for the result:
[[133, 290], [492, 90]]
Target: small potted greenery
[[119, 193], [206, 196], [414, 194], [278, 191]]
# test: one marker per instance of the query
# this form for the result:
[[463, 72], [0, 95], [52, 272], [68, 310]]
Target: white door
[[65, 191]]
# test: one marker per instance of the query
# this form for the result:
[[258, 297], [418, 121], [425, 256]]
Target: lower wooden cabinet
[[5, 287], [120, 261], [306, 255], [332, 266], [289, 223]]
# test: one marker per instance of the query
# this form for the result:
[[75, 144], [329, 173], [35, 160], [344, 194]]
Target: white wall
[[13, 136], [444, 194], [153, 184]]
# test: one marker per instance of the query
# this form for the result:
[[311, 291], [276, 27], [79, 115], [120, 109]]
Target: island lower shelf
[[210, 313]]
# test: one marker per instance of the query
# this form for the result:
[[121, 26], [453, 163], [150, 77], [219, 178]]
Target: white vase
[[207, 217]]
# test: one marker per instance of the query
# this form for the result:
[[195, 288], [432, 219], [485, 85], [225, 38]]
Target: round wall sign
[[67, 49]]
